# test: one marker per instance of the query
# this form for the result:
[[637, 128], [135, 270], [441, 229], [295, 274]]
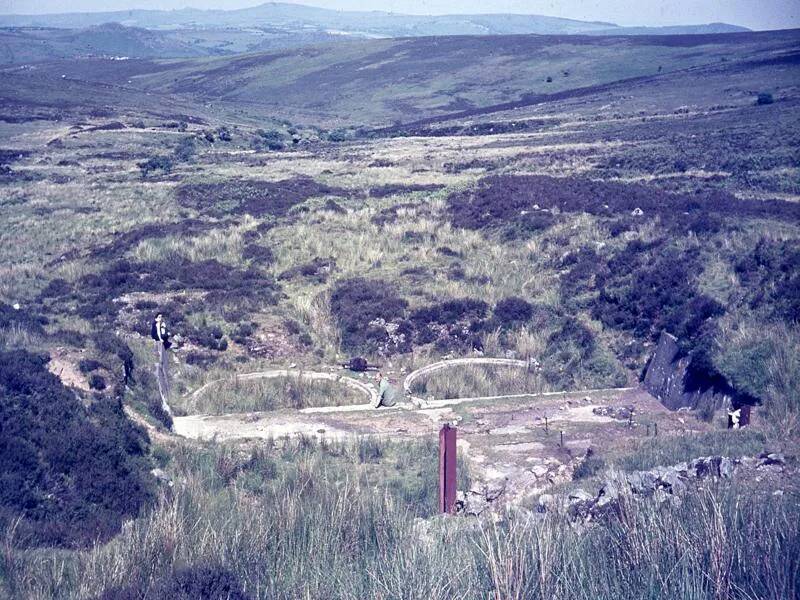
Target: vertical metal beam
[[447, 469]]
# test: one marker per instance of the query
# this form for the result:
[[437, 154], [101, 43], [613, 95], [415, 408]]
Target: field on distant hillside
[[559, 201]]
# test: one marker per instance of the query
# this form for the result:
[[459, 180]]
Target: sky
[[755, 14]]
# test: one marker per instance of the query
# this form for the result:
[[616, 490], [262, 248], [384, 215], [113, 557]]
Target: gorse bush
[[71, 474]]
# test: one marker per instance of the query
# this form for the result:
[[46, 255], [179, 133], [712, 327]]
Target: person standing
[[160, 334]]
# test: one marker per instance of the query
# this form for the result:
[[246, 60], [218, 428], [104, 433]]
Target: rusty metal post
[[447, 469], [744, 420]]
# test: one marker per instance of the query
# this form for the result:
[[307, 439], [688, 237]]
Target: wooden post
[[546, 429], [447, 469], [655, 429]]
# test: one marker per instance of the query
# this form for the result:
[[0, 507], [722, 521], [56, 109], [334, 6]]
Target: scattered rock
[[623, 413], [161, 476], [772, 458]]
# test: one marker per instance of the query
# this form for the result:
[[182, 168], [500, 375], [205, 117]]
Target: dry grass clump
[[293, 391], [224, 245], [478, 380]]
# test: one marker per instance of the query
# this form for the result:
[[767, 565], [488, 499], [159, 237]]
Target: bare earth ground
[[505, 441]]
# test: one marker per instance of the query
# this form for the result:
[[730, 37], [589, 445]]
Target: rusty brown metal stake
[[447, 469]]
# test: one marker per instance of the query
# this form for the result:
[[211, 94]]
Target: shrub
[[209, 337], [70, 337], [113, 345], [508, 203], [225, 284], [770, 275], [155, 163], [72, 474], [97, 382], [189, 583], [337, 135], [88, 365], [259, 254], [258, 198], [589, 467], [317, 270], [362, 308], [224, 134], [764, 98], [185, 149], [10, 317], [512, 311]]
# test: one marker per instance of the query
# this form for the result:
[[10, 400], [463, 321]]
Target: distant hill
[[376, 82], [22, 45], [296, 18]]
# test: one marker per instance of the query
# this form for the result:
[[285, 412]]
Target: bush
[[225, 284], [71, 474], [508, 204], [589, 467], [209, 337], [11, 317], [362, 309], [764, 98], [317, 270], [337, 135], [87, 365], [156, 163], [97, 382], [451, 324], [260, 254], [258, 198], [512, 311], [185, 149], [190, 583], [770, 275]]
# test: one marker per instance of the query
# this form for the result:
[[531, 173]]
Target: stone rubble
[[623, 413], [660, 483]]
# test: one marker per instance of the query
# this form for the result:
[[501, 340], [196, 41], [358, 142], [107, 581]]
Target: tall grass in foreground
[[314, 521]]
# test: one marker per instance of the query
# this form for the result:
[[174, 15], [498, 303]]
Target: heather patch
[[257, 198]]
